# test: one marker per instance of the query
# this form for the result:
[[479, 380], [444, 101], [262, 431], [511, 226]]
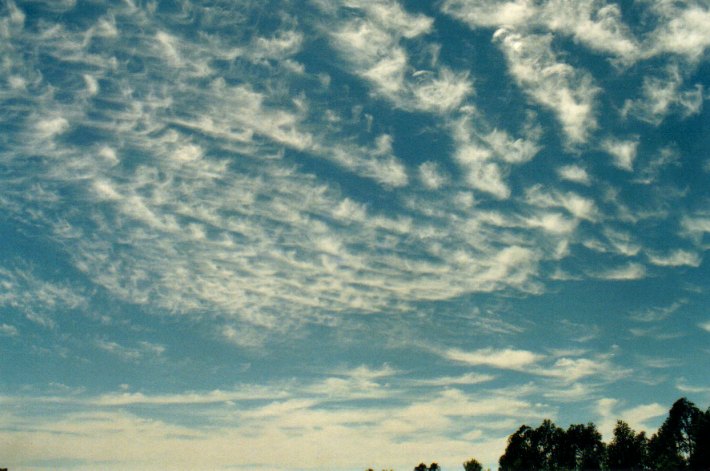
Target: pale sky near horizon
[[340, 234]]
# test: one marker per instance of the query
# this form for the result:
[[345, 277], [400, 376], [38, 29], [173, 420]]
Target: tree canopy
[[627, 450], [472, 465], [549, 448], [423, 467], [682, 442]]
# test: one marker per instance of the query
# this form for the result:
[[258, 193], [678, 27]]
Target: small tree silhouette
[[472, 465], [423, 467]]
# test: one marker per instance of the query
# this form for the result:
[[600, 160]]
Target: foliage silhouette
[[682, 442], [627, 450], [472, 465], [674, 443], [549, 447], [700, 459], [582, 448]]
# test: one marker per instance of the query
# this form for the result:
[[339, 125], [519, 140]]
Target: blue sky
[[340, 234]]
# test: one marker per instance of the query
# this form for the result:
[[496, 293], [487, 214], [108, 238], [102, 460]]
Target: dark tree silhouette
[[472, 465], [700, 459], [423, 467], [521, 452], [681, 443], [549, 447], [550, 443], [627, 450], [674, 443], [539, 448], [582, 448]]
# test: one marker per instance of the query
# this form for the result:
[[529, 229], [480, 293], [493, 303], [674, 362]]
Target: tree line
[[682, 442]]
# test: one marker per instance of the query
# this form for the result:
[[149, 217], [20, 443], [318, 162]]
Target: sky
[[340, 234]]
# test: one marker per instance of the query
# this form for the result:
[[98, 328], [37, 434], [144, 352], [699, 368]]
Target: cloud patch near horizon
[[302, 414]]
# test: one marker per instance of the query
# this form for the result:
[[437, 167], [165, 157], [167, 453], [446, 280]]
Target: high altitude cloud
[[374, 46], [683, 29], [568, 92], [505, 359], [663, 95], [596, 24]]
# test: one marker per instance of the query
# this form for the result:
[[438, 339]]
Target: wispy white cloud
[[694, 226], [637, 417], [256, 117], [391, 15], [621, 242], [377, 162], [571, 370], [302, 417], [675, 258], [48, 128], [481, 173], [440, 91], [655, 314], [682, 29], [504, 359], [490, 13], [491, 322], [283, 45], [214, 219], [574, 392], [431, 176], [38, 299], [487, 156], [575, 204], [656, 333], [664, 158], [568, 92], [188, 398], [664, 95], [356, 383], [597, 25], [375, 53], [686, 388], [521, 29], [660, 363], [580, 332], [16, 15], [623, 152], [373, 47], [142, 351], [9, 330], [574, 173], [447, 381], [554, 223], [219, 220], [513, 150], [630, 271]]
